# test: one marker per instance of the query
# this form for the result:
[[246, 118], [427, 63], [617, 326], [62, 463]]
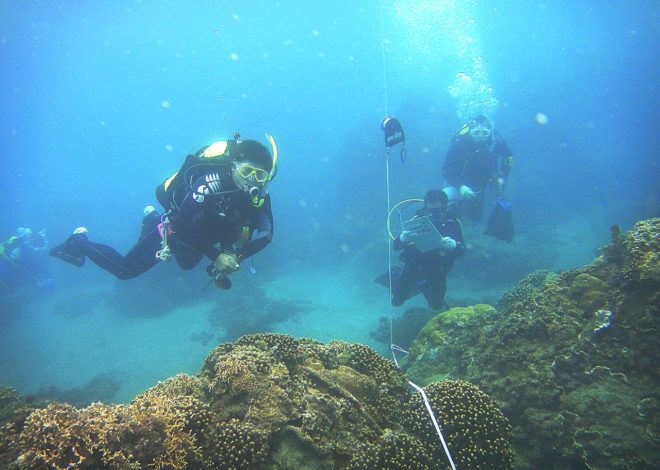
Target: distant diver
[[22, 260], [478, 159]]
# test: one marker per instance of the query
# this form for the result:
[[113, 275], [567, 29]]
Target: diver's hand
[[447, 243], [499, 185], [466, 192], [408, 236], [226, 263]]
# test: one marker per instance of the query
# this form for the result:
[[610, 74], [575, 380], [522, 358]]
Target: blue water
[[101, 102]]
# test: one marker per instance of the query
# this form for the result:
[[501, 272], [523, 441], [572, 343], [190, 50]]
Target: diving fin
[[69, 253], [384, 279], [500, 222]]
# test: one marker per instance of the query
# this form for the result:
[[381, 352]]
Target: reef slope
[[571, 358]]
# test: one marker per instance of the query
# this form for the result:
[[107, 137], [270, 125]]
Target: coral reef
[[571, 359], [10, 401], [476, 431], [267, 401]]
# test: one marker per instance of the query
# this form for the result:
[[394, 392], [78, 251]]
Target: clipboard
[[429, 238]]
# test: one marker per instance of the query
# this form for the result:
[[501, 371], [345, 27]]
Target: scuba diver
[[471, 167], [219, 196], [425, 265], [22, 259]]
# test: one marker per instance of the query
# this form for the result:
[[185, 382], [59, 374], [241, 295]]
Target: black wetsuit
[[426, 272], [205, 209], [22, 261], [476, 166]]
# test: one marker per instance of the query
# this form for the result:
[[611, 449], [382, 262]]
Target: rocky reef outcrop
[[269, 401], [572, 358]]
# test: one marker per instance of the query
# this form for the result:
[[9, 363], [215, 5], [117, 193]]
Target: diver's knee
[[436, 304], [124, 275]]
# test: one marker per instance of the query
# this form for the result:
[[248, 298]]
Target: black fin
[[67, 252], [500, 223], [384, 279]]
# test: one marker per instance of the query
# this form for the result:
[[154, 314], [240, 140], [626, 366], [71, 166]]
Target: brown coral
[[99, 436], [266, 401]]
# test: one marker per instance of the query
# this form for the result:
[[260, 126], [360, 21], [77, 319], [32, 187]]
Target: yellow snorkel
[[257, 200], [274, 146]]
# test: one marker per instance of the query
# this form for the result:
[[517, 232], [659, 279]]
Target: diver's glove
[[499, 185], [447, 243], [466, 192], [226, 263], [408, 236]]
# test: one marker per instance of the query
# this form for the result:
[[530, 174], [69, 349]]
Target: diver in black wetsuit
[[218, 197], [22, 260], [478, 158], [426, 272]]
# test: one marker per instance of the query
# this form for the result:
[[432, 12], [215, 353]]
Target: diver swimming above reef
[[217, 205], [471, 167]]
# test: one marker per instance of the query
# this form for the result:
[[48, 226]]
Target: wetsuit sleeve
[[451, 169], [502, 150], [262, 221]]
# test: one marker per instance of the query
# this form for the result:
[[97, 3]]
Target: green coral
[[525, 290], [570, 358], [440, 335]]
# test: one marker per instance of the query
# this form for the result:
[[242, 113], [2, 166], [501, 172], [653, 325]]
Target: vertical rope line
[[382, 44], [393, 347], [389, 248], [387, 173]]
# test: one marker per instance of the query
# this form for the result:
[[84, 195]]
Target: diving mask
[[480, 133], [251, 173], [436, 210]]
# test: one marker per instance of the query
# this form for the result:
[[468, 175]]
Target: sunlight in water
[[443, 36]]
